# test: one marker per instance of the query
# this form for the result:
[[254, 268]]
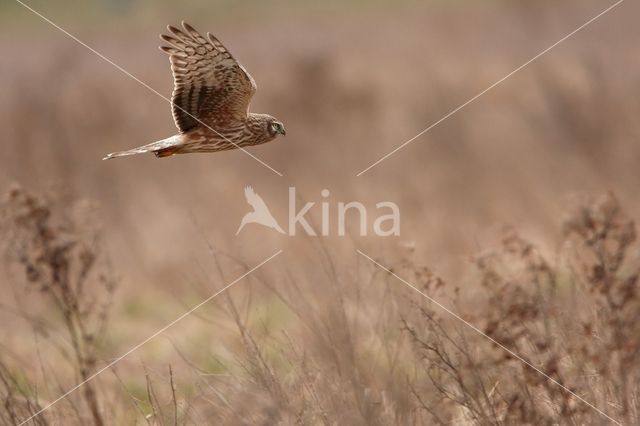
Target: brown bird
[[210, 102]]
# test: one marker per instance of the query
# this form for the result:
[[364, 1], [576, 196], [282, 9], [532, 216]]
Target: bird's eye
[[274, 127]]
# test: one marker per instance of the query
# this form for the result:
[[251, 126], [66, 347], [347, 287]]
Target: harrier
[[210, 102]]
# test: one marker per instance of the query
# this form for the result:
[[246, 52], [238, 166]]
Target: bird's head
[[275, 127], [264, 127]]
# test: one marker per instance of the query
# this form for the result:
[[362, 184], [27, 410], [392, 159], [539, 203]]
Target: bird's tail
[[162, 148]]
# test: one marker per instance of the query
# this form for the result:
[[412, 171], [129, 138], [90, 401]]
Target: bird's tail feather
[[160, 148], [125, 153]]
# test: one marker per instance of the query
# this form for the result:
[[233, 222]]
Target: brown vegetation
[[574, 319]]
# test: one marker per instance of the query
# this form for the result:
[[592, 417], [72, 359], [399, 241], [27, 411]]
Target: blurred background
[[351, 80]]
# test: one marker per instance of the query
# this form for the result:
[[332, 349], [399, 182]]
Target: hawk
[[210, 101]]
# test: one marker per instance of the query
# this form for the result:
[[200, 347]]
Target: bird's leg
[[166, 152]]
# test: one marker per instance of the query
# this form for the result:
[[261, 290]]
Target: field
[[509, 297]]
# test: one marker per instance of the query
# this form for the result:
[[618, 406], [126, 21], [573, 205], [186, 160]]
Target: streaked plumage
[[210, 102]]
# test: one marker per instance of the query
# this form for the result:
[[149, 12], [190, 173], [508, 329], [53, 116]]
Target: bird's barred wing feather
[[210, 84]]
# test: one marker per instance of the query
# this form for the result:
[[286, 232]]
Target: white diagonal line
[[76, 39], [477, 330], [497, 83], [157, 333]]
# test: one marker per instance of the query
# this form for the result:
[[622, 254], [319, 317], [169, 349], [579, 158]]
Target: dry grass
[[574, 320], [321, 336], [389, 359], [58, 260]]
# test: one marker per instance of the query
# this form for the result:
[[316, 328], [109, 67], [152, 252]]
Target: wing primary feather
[[183, 36], [210, 86], [194, 33]]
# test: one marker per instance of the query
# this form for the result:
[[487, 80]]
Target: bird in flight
[[260, 213], [210, 101]]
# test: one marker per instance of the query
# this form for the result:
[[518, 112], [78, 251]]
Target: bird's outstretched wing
[[255, 200], [209, 84]]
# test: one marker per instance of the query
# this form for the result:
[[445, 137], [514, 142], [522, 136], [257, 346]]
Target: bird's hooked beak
[[282, 131]]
